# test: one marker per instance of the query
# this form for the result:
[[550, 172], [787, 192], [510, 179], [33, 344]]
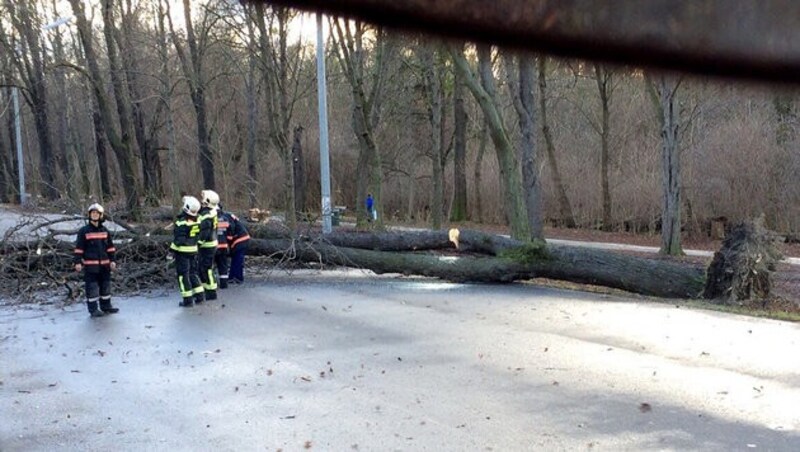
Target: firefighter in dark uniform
[[184, 247], [238, 239], [207, 242], [94, 254], [222, 257]]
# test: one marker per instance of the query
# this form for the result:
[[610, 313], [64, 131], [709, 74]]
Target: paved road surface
[[327, 362]]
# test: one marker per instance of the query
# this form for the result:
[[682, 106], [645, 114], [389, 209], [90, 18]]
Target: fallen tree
[[459, 256], [471, 256]]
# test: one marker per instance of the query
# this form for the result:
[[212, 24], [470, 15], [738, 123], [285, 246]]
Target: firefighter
[[207, 243], [184, 247], [238, 239], [222, 257], [94, 254]]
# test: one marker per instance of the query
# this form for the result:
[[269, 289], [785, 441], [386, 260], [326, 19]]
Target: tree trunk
[[30, 63], [786, 117], [102, 154], [275, 64], [603, 77], [432, 83], [366, 111], [522, 97], [104, 115], [192, 65], [166, 100], [14, 163], [252, 114], [564, 207], [122, 97], [458, 210], [298, 168], [509, 167], [6, 166], [483, 257], [65, 130], [670, 167], [150, 160], [478, 172]]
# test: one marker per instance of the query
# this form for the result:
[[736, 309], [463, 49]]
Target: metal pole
[[18, 134], [324, 159], [17, 126]]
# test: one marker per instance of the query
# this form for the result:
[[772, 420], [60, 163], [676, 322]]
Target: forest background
[[135, 102]]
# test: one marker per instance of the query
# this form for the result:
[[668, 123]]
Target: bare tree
[[367, 102], [280, 68], [458, 210], [477, 172], [509, 166], [605, 88], [104, 117], [30, 65], [252, 109], [564, 206], [146, 125], [193, 70], [433, 74], [521, 86], [299, 171], [664, 90]]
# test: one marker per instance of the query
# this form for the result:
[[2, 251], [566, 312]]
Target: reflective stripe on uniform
[[96, 235], [212, 282], [184, 248], [96, 262], [185, 292], [209, 244], [240, 240]]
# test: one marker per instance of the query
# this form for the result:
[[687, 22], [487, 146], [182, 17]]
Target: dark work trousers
[[237, 262], [206, 263], [188, 278], [222, 260], [97, 283]]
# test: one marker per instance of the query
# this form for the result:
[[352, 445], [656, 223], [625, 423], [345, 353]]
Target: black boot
[[93, 311], [107, 308], [211, 294], [199, 298], [187, 302], [223, 283]]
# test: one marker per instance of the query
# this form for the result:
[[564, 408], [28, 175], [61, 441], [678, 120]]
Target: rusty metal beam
[[751, 39]]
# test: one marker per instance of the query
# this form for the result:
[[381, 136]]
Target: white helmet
[[209, 198], [191, 205], [96, 208]]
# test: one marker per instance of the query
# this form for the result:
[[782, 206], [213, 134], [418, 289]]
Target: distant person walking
[[94, 255], [372, 214]]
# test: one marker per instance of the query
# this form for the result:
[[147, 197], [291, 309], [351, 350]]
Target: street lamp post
[[324, 159], [18, 134], [23, 197]]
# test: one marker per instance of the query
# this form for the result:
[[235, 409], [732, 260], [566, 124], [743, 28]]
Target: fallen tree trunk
[[467, 256], [507, 260]]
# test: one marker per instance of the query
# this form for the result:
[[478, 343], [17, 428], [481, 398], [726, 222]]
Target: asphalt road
[[328, 362]]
